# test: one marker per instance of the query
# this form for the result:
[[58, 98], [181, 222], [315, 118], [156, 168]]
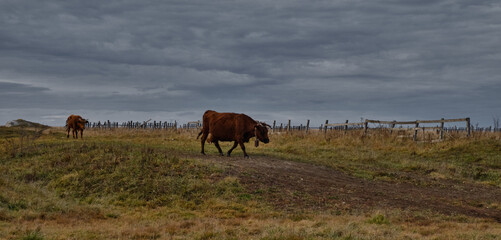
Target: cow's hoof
[[246, 156], [221, 154], [228, 155], [202, 153]]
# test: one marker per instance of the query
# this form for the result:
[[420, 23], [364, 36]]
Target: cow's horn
[[263, 124]]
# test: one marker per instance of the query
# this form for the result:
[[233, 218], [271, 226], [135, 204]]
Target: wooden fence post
[[366, 126], [289, 126], [325, 126], [416, 131], [307, 125], [442, 129], [274, 122], [345, 127], [424, 134], [468, 126]]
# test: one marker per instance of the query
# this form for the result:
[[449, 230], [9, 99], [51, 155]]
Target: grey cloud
[[10, 89], [407, 58]]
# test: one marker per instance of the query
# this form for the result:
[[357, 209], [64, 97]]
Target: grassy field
[[135, 184]]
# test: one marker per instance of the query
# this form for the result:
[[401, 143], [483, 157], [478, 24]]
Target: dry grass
[[144, 184], [383, 155]]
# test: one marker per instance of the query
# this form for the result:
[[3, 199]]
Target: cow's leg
[[204, 137], [81, 134], [216, 143], [243, 149], [231, 149], [76, 133], [68, 134]]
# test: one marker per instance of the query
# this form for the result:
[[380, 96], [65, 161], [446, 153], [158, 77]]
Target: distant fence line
[[288, 127], [390, 125], [143, 125]]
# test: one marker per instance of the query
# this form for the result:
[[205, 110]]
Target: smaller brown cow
[[238, 128], [76, 123]]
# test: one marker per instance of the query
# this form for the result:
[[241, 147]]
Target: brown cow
[[76, 123], [231, 127]]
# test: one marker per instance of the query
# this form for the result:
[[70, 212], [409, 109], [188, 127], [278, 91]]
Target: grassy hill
[[25, 123], [121, 184]]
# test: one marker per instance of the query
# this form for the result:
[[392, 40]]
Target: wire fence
[[367, 125]]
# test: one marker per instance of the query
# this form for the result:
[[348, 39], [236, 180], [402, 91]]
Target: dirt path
[[292, 185]]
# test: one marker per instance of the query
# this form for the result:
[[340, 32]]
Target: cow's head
[[81, 123], [261, 130]]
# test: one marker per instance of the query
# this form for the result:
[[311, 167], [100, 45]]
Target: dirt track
[[293, 185]]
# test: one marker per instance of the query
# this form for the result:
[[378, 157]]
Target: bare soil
[[293, 185]]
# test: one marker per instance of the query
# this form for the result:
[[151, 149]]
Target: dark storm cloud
[[329, 59]]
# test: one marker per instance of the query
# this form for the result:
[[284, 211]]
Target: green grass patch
[[378, 219], [120, 174]]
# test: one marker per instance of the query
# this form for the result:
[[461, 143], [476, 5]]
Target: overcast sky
[[273, 60]]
